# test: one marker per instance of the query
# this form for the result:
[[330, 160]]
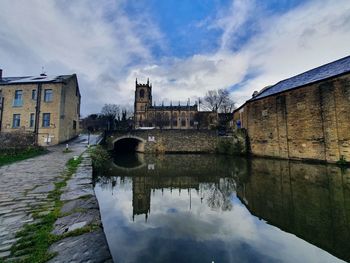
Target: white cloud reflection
[[233, 236]]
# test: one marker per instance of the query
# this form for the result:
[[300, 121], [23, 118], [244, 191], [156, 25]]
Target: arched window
[[175, 119], [142, 93], [183, 119], [191, 119], [166, 119]]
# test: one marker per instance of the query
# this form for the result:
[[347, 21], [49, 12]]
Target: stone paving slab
[[72, 206], [78, 193], [64, 224], [92, 248], [24, 187], [96, 248], [43, 189]]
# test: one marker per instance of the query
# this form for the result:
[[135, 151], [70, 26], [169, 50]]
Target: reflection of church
[[168, 117], [142, 187]]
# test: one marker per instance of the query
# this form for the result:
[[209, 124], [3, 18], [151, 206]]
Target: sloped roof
[[174, 107], [326, 71], [34, 79]]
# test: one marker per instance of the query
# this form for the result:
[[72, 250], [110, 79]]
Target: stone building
[[168, 117], [48, 106], [304, 117]]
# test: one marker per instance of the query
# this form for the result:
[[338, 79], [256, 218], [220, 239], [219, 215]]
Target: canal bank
[[80, 221], [31, 201]]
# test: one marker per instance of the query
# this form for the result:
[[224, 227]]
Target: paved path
[[24, 187]]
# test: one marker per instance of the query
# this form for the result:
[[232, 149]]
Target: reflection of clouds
[[200, 234]]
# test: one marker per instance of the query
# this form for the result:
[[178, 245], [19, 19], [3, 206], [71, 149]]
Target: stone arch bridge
[[163, 141]]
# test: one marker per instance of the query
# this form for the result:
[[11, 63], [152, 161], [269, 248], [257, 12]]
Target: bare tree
[[219, 101], [110, 112], [160, 119]]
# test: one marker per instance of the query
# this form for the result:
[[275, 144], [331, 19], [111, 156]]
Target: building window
[[46, 119], [74, 125], [175, 120], [18, 102], [16, 123], [34, 94], [48, 95], [183, 119], [142, 93], [31, 120]]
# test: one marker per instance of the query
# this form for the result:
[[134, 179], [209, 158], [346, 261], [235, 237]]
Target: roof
[[326, 71], [34, 79], [183, 108]]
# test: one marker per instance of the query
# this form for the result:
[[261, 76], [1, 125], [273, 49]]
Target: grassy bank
[[11, 156], [35, 239]]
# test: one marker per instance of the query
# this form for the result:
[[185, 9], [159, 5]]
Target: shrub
[[342, 161], [99, 156]]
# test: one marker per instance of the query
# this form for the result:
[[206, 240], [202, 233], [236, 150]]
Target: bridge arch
[[129, 144]]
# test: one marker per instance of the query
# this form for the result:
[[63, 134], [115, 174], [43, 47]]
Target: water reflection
[[209, 208]]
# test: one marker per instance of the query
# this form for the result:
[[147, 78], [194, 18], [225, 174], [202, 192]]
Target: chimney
[[0, 74]]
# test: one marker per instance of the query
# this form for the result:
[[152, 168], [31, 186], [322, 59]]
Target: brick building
[[168, 117], [48, 106], [303, 117]]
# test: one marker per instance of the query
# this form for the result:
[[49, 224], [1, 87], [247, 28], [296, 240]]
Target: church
[[168, 117]]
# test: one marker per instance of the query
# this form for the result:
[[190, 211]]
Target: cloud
[[96, 40], [281, 46], [108, 47]]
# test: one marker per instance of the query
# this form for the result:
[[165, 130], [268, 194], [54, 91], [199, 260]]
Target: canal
[[213, 208]]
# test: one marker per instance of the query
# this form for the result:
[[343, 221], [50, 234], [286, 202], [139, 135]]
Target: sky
[[184, 47]]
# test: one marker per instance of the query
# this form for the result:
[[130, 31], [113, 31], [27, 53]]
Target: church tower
[[143, 100]]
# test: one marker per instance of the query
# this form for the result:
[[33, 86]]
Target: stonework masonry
[[63, 108], [16, 140], [174, 141], [309, 123]]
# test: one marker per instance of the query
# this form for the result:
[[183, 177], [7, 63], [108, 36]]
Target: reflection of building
[[311, 201], [48, 106], [168, 117], [141, 196], [143, 185]]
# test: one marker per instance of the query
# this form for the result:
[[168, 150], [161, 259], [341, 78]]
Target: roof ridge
[[310, 70], [328, 70]]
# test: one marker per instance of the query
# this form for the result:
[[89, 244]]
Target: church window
[[175, 120], [166, 119], [142, 93]]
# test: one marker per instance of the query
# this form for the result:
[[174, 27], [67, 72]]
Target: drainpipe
[[1, 109], [1, 101], [37, 113]]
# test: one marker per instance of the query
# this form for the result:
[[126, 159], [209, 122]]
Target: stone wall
[[312, 122], [63, 110], [310, 201], [16, 140], [175, 141]]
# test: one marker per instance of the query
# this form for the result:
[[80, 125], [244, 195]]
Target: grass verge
[[19, 155], [35, 239]]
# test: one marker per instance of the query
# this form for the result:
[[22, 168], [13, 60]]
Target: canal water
[[212, 208]]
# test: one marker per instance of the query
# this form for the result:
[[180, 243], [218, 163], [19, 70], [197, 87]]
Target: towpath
[[24, 187]]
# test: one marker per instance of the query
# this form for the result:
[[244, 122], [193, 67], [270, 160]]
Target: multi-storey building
[[48, 106]]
